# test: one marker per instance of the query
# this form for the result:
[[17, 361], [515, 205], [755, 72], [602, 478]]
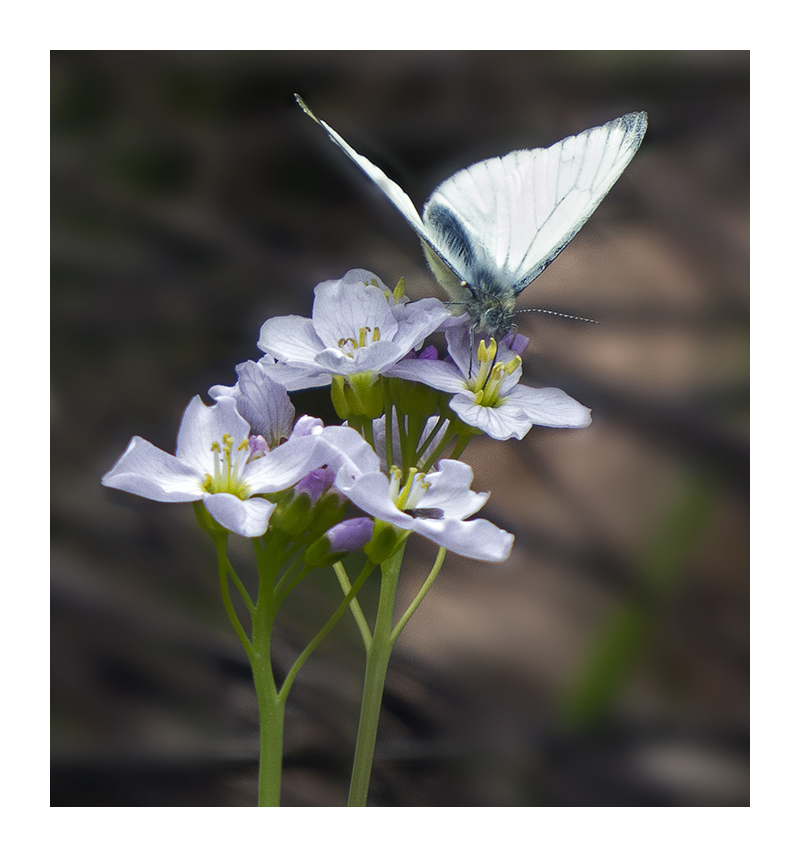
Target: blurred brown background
[[606, 663]]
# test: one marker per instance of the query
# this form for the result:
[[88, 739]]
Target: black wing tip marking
[[634, 125]]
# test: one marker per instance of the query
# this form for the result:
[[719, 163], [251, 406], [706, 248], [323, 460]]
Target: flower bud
[[340, 540], [291, 516]]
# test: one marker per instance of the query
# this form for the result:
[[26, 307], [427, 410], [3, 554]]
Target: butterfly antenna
[[560, 315]]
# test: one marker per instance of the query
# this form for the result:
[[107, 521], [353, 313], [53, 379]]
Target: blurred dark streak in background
[[606, 663]]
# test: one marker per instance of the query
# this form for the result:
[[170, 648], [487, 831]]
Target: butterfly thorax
[[491, 312]]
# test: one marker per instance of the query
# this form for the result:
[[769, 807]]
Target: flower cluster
[[339, 489]]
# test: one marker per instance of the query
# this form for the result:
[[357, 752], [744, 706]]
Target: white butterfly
[[492, 228]]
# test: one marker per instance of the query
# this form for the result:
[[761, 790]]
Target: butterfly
[[489, 230]]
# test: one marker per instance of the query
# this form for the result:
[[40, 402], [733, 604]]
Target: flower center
[[407, 496], [229, 465], [490, 376], [349, 345]]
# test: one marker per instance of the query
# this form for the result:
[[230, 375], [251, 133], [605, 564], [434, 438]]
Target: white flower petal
[[294, 377], [343, 446], [474, 539], [290, 337], [344, 308], [203, 425], [418, 320], [150, 472], [370, 492], [372, 358], [247, 518], [450, 490], [435, 373], [549, 406], [282, 466], [502, 423]]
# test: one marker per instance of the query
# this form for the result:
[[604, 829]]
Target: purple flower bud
[[306, 426], [315, 483], [258, 446], [350, 535]]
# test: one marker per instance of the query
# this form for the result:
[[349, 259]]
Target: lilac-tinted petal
[[434, 373], [150, 472], [458, 344], [502, 422], [247, 518], [549, 406], [315, 483], [516, 342], [300, 377], [262, 401], [290, 337], [282, 467], [419, 319], [474, 539], [449, 490], [344, 308], [202, 425]]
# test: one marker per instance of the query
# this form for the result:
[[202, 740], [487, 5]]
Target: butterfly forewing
[[495, 226], [521, 210]]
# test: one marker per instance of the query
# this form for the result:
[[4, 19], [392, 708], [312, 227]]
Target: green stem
[[355, 607], [420, 595], [375, 676], [463, 440], [326, 629], [270, 709], [239, 585], [270, 705], [220, 543]]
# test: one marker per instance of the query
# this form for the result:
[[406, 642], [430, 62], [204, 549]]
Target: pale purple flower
[[356, 328], [216, 461], [434, 505], [220, 462], [487, 391]]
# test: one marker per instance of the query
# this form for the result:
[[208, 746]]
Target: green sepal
[[328, 512], [338, 397], [207, 522], [292, 516], [385, 542], [364, 394], [319, 554]]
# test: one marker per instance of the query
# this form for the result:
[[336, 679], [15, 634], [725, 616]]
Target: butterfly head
[[491, 311]]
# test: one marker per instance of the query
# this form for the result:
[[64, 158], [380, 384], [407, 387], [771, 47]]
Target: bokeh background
[[606, 663]]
